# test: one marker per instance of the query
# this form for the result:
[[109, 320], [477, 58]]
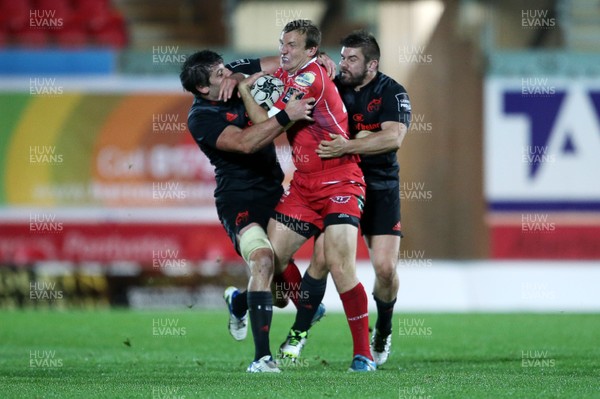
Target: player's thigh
[[340, 255], [384, 251], [238, 214], [339, 244], [285, 242]]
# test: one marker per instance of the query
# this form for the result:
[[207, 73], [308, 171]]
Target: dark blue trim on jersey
[[510, 206]]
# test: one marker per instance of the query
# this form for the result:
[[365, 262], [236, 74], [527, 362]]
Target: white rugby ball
[[266, 90]]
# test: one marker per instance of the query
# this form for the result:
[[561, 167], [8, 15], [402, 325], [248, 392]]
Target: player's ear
[[373, 64], [203, 89], [313, 51]]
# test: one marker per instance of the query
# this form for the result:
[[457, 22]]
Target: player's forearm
[[269, 64], [256, 113], [258, 136], [374, 143]]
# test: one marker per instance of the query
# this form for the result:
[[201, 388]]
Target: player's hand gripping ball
[[266, 91]]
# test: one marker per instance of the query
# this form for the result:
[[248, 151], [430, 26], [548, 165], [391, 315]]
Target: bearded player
[[325, 195], [379, 112]]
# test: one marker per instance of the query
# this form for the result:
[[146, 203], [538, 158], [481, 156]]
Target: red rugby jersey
[[329, 114]]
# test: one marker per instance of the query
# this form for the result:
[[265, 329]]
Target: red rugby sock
[[355, 304], [291, 280]]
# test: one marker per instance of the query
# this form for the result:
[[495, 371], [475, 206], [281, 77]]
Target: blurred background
[[105, 200]]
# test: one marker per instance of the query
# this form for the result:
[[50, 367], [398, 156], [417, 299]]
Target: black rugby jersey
[[242, 175], [381, 100]]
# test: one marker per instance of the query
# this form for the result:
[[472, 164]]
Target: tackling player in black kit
[[379, 115], [248, 182]]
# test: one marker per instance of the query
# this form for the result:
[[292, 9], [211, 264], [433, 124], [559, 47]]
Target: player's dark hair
[[305, 27], [196, 70], [365, 41]]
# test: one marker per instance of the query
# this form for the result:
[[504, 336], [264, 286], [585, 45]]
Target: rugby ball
[[266, 90]]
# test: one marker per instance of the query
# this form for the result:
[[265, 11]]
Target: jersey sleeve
[[247, 66], [206, 127], [396, 105]]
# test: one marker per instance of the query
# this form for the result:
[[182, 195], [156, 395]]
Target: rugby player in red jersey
[[325, 196]]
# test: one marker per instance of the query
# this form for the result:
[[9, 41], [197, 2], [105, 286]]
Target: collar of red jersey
[[314, 59]]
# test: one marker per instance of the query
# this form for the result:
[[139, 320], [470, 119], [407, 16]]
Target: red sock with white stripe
[[355, 304]]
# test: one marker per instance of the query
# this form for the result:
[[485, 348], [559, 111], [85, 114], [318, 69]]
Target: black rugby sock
[[385, 311], [260, 305], [239, 304], [311, 294]]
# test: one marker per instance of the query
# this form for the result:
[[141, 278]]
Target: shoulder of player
[[312, 74], [210, 107], [388, 84], [214, 112]]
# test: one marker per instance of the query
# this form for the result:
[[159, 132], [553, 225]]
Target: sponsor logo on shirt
[[305, 79], [403, 102], [230, 117], [358, 117], [243, 61], [367, 126], [290, 93]]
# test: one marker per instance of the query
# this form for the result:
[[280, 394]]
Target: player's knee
[[261, 267], [385, 270], [318, 266], [253, 240], [339, 269], [317, 271]]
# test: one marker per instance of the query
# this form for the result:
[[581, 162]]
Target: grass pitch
[[189, 354]]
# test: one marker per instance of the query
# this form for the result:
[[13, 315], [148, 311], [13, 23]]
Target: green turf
[[115, 354]]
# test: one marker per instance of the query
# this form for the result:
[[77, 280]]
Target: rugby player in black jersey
[[248, 183], [379, 116]]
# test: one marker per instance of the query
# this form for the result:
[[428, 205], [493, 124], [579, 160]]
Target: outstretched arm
[[366, 143], [259, 135]]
